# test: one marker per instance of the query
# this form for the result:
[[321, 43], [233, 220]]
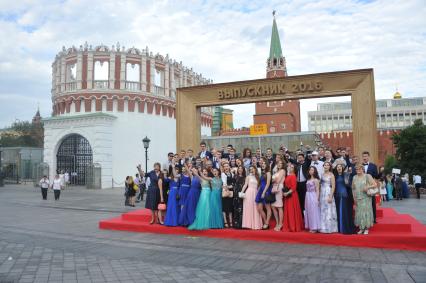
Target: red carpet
[[394, 231]]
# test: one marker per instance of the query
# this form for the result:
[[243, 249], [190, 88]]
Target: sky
[[223, 40]]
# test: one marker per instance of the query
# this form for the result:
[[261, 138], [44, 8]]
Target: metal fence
[[93, 176]]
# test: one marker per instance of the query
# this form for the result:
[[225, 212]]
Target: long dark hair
[[267, 167], [244, 171], [245, 152], [316, 175], [256, 174]]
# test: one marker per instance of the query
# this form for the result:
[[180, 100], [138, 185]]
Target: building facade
[[105, 101], [279, 116], [223, 120], [396, 113]]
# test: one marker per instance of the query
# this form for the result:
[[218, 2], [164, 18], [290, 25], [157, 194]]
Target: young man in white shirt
[[317, 163], [417, 180], [44, 185]]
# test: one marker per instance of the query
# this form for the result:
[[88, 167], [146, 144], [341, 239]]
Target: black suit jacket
[[305, 168], [209, 155], [372, 170]]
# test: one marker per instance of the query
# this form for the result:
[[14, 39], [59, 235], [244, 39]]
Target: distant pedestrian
[[57, 186], [417, 180], [44, 185]]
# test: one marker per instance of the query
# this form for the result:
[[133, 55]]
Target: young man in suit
[[302, 177], [217, 158], [204, 153], [370, 168], [226, 154]]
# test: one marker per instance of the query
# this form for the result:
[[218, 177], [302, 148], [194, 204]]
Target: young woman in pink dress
[[312, 208], [277, 186], [251, 217]]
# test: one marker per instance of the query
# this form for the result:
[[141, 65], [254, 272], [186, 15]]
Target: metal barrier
[[93, 176]]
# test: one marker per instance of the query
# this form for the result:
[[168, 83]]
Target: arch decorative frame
[[359, 84]]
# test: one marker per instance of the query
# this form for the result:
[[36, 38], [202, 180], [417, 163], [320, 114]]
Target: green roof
[[275, 51]]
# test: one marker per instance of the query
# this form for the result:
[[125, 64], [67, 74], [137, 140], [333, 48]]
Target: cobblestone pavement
[[48, 241]]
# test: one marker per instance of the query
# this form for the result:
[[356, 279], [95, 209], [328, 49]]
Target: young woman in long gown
[[264, 189], [153, 194], [216, 219], [327, 204], [187, 215], [251, 216], [240, 177], [173, 207], [293, 221], [227, 202], [202, 213], [363, 210], [389, 187], [185, 184], [312, 208], [277, 186], [344, 201]]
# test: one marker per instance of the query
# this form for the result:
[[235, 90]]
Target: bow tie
[[316, 163], [364, 164]]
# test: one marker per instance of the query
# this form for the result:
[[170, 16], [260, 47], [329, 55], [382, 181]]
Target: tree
[[23, 133], [411, 148], [390, 163]]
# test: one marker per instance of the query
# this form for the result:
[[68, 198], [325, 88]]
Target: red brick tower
[[280, 116]]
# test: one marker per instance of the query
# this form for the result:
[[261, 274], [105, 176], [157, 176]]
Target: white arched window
[[71, 77], [133, 76], [101, 74]]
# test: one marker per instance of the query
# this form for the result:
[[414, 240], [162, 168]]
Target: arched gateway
[[74, 156], [359, 84]]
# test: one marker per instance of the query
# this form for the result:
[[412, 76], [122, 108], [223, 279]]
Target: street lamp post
[[146, 142], [1, 168]]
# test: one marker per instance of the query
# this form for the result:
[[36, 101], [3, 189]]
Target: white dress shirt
[[320, 167]]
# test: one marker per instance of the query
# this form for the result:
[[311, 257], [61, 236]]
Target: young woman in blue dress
[[173, 207], [187, 216]]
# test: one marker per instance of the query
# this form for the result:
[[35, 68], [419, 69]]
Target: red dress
[[293, 221]]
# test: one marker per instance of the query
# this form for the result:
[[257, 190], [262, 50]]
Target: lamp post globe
[[146, 142]]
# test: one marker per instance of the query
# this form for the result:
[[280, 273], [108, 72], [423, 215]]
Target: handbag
[[270, 198], [162, 206], [227, 194], [241, 195]]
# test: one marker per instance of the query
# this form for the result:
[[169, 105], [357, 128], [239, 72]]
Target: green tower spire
[[275, 50]]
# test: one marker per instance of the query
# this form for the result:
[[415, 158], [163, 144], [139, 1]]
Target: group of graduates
[[313, 190]]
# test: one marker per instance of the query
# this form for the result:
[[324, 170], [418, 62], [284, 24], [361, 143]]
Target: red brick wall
[[345, 139]]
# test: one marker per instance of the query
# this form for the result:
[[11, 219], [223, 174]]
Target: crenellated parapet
[[119, 79]]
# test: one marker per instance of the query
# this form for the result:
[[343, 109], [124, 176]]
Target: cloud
[[225, 41]]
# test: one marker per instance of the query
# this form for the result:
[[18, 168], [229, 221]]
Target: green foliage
[[411, 148], [390, 162], [23, 133]]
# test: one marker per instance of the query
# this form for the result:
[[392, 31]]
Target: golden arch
[[359, 84]]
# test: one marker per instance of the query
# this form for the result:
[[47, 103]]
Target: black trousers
[[301, 192], [373, 203], [418, 190], [142, 189], [44, 193], [57, 194]]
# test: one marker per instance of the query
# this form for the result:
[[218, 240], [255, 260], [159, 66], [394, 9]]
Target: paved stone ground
[[48, 241]]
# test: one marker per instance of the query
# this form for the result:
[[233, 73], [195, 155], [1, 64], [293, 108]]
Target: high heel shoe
[[265, 227]]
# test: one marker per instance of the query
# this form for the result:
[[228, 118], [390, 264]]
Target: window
[[71, 72], [101, 70], [272, 129], [133, 72], [159, 77], [282, 125]]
